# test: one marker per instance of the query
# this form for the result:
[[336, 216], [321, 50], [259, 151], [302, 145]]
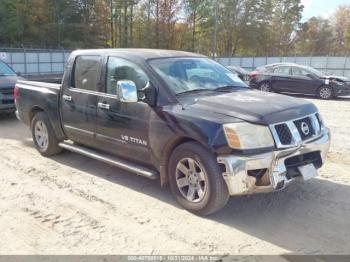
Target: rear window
[[87, 72], [5, 70]]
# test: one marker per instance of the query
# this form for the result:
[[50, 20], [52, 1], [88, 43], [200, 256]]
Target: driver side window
[[120, 69]]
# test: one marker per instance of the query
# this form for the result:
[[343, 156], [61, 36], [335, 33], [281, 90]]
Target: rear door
[[79, 100], [123, 128], [281, 78], [303, 83]]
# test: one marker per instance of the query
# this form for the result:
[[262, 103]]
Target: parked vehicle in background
[[178, 117], [241, 72], [8, 79], [297, 79]]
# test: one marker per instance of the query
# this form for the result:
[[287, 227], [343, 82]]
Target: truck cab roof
[[138, 53]]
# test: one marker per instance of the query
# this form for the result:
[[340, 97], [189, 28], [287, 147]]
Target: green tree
[[315, 37], [11, 26]]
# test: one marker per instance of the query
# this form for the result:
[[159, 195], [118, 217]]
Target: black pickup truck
[[178, 117]]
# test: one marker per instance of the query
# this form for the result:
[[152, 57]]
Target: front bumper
[[6, 102], [240, 174], [7, 107], [344, 91]]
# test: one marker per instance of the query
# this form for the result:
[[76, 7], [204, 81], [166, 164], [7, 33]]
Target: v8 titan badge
[[134, 140]]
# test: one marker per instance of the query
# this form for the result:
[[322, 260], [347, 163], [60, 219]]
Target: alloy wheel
[[265, 87], [325, 93], [191, 180], [41, 135]]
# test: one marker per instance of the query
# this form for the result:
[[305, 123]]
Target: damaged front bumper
[[275, 170]]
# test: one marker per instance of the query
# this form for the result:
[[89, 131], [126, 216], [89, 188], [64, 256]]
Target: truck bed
[[39, 96]]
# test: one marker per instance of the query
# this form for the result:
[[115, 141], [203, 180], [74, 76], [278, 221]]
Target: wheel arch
[[34, 111], [169, 149], [37, 109]]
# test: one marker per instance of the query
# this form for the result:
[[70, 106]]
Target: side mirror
[[310, 76], [18, 73], [127, 91]]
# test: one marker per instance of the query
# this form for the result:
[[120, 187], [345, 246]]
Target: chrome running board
[[123, 164]]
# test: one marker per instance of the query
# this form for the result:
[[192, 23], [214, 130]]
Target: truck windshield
[[186, 75], [5, 70]]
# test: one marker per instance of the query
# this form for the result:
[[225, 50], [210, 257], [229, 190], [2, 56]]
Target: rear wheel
[[266, 87], [44, 136], [196, 179], [325, 92]]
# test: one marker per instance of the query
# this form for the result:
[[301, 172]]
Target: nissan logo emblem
[[305, 128]]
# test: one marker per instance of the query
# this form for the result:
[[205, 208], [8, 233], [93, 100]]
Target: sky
[[321, 7]]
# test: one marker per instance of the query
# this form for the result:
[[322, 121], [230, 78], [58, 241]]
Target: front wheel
[[196, 179], [44, 136], [325, 92]]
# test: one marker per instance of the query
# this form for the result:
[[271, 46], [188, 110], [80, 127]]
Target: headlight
[[248, 136], [337, 82]]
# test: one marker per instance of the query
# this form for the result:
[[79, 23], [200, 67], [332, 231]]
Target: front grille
[[294, 132], [305, 159], [305, 128], [294, 162], [284, 134]]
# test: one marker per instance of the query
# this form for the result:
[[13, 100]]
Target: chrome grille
[[284, 134], [296, 131]]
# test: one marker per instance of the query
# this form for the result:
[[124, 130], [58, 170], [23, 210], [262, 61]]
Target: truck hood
[[252, 106]]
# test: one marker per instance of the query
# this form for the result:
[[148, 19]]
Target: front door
[[123, 128], [304, 83], [79, 100]]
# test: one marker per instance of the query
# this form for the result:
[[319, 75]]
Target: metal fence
[[35, 61], [335, 65]]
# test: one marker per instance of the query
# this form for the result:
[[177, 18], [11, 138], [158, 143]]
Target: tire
[[44, 136], [325, 92], [266, 87], [211, 193]]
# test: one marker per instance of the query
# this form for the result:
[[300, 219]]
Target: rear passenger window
[[87, 72], [121, 69], [284, 70]]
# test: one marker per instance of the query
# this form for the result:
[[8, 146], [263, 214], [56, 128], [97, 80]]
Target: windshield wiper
[[195, 91], [228, 88]]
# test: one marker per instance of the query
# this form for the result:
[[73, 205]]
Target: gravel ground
[[71, 204]]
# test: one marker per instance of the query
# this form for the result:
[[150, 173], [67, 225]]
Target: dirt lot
[[71, 204]]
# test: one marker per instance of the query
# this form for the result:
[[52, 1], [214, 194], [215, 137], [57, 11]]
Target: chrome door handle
[[67, 98], [104, 106]]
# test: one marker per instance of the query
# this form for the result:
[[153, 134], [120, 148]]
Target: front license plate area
[[308, 171]]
